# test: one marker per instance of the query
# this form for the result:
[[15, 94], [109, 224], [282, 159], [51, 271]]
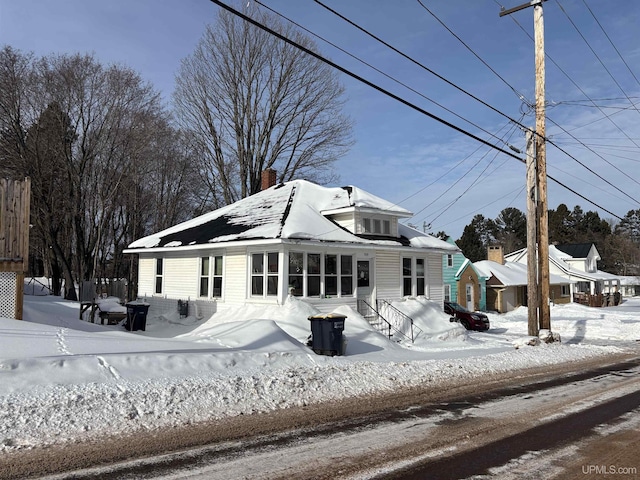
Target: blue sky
[[442, 176]]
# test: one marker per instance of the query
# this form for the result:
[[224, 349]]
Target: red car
[[469, 320]]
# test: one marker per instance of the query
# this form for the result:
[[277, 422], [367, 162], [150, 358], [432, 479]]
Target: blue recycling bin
[[136, 316], [326, 334]]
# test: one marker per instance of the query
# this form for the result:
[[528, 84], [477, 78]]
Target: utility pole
[[532, 238], [541, 247]]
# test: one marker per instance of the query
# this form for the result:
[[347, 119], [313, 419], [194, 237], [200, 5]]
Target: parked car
[[469, 320]]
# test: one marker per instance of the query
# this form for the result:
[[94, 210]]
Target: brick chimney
[[268, 178], [495, 254]]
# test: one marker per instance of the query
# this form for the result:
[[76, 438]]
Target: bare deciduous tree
[[254, 102], [106, 165]]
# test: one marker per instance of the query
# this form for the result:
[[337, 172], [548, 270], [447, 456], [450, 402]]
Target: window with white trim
[[272, 273], [564, 290], [449, 260], [414, 276], [316, 274], [407, 274], [420, 276], [264, 274], [331, 275], [204, 277], [377, 226], [296, 273], [447, 293], [217, 277], [346, 275], [159, 275]]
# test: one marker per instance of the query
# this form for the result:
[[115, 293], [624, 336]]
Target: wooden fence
[[15, 197]]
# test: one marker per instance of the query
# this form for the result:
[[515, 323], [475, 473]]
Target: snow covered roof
[[629, 280], [561, 260], [293, 210], [512, 274]]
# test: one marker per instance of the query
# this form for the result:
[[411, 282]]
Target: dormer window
[[376, 226]]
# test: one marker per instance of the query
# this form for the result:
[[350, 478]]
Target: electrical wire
[[449, 82], [595, 54], [517, 93], [611, 42], [586, 96], [394, 96], [390, 77], [362, 29]]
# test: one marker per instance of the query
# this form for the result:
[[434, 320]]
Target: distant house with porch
[[328, 246], [462, 283], [578, 263], [630, 285]]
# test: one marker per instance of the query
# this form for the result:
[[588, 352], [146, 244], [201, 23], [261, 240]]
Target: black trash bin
[[183, 308], [136, 316], [326, 334]]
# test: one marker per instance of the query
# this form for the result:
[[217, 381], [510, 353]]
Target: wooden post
[[541, 169], [14, 239], [541, 159], [532, 240]]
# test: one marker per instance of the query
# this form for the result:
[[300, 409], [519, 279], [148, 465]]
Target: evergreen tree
[[476, 237], [511, 229], [560, 225]]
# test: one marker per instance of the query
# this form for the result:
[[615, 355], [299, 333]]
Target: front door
[[469, 297], [365, 284], [364, 289]]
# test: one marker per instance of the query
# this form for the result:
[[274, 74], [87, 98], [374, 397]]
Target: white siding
[[181, 276], [388, 282], [235, 276], [146, 276], [345, 220], [434, 277]]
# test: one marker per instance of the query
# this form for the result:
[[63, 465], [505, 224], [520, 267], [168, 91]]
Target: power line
[[362, 29], [595, 54], [608, 117], [449, 82], [390, 77], [394, 96], [477, 179], [446, 173], [518, 94], [611, 42], [362, 79]]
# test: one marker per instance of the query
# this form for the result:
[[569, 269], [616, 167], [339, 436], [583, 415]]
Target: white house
[[579, 264], [329, 246], [630, 285]]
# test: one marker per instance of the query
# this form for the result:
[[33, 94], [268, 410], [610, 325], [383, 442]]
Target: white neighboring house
[[328, 246], [579, 264], [630, 285]]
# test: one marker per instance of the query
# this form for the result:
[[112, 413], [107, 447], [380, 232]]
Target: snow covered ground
[[64, 379]]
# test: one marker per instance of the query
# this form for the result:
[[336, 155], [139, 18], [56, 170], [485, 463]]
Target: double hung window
[[159, 275], [264, 274]]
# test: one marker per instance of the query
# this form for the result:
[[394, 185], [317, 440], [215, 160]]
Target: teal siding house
[[462, 283]]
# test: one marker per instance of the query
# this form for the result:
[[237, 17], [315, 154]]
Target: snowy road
[[514, 431]]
